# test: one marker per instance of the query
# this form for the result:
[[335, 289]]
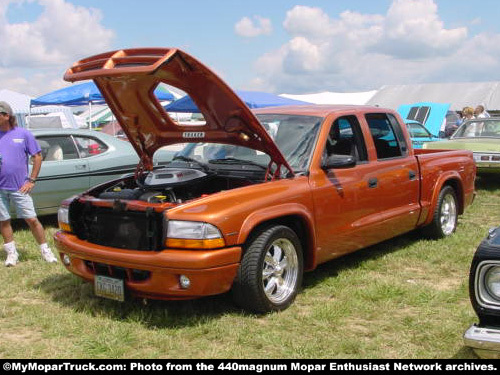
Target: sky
[[278, 46]]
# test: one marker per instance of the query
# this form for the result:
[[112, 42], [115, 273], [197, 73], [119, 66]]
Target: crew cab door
[[377, 198], [342, 197], [395, 178]]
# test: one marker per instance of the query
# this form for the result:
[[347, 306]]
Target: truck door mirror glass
[[339, 161]]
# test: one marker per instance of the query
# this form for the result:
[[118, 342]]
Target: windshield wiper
[[234, 161], [191, 160]]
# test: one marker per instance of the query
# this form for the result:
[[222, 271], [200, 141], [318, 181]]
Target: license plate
[[109, 287]]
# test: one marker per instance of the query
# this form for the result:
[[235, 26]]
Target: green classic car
[[75, 160], [482, 137]]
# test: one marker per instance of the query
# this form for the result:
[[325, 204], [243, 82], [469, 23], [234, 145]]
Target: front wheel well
[[295, 223]]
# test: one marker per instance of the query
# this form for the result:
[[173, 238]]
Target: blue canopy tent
[[86, 93], [74, 95], [253, 99]]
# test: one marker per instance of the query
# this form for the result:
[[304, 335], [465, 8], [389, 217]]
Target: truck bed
[[437, 166]]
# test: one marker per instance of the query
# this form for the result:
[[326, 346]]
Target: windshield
[[418, 131], [294, 135], [479, 128]]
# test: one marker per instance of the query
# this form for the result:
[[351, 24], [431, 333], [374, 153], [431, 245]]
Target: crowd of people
[[467, 113]]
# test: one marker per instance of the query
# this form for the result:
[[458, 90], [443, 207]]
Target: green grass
[[404, 298]]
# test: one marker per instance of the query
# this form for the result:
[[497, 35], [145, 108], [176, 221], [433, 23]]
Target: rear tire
[[445, 218], [270, 273]]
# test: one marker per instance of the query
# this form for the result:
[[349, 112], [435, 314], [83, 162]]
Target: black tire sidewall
[[248, 287], [434, 230]]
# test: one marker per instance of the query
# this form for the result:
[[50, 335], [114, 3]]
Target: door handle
[[80, 167], [372, 182], [413, 175]]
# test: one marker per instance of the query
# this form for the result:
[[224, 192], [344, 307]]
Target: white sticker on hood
[[193, 135]]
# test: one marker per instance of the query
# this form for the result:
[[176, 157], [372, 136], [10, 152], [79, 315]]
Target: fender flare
[[276, 212], [438, 186]]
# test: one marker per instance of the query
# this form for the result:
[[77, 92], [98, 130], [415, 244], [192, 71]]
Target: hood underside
[[127, 80]]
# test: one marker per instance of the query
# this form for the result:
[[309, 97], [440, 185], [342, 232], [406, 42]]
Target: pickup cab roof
[[127, 80]]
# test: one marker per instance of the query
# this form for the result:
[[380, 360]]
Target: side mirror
[[339, 161]]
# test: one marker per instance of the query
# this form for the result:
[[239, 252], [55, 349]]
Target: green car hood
[[472, 144]]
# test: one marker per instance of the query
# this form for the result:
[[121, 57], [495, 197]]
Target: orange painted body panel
[[340, 214], [440, 167], [338, 210], [211, 272], [127, 80]]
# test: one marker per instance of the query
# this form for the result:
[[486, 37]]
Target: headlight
[[492, 281], [63, 218], [193, 235], [487, 284]]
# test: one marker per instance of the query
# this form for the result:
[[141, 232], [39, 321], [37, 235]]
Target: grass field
[[404, 298]]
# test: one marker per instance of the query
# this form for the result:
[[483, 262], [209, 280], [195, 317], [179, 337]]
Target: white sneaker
[[48, 256], [12, 258]]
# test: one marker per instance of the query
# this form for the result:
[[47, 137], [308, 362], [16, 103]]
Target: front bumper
[[487, 168], [210, 271], [484, 341]]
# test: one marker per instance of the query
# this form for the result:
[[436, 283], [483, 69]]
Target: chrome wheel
[[448, 214], [270, 272], [280, 271], [445, 215]]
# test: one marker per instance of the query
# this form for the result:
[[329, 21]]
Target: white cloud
[[412, 29], [61, 34], [353, 51], [308, 22], [476, 21], [249, 28]]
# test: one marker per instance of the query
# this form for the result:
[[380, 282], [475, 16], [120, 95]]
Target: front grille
[[127, 274], [118, 227]]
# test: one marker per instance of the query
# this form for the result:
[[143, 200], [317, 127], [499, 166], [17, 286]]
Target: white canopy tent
[[459, 95], [20, 104]]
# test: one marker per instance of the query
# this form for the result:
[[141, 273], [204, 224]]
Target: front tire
[[270, 273], [444, 221]]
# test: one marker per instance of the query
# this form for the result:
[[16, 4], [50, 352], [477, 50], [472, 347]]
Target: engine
[[119, 227], [173, 185]]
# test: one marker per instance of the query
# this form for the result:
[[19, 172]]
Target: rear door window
[[56, 148], [387, 135], [89, 146]]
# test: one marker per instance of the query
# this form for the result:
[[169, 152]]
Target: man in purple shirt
[[16, 145]]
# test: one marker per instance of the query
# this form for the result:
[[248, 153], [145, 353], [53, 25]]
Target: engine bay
[[170, 185]]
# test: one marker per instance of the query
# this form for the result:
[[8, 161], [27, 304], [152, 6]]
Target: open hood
[[431, 115], [127, 80]]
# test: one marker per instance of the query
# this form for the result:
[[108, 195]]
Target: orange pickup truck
[[251, 199]]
